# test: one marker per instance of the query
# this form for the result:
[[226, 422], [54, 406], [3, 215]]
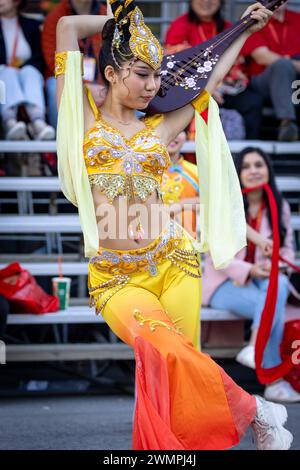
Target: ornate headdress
[[130, 26]]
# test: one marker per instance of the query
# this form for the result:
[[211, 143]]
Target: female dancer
[[147, 285]]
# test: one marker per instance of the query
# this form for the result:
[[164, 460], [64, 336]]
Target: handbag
[[20, 288], [289, 348]]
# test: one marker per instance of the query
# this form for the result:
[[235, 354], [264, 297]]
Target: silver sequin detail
[[174, 231]]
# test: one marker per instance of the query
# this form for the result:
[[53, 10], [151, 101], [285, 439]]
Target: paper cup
[[61, 288]]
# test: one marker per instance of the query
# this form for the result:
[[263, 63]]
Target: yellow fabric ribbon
[[71, 166], [222, 215]]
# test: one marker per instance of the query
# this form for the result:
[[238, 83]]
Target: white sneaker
[[268, 426], [48, 133], [15, 130], [40, 130], [246, 357], [281, 392]]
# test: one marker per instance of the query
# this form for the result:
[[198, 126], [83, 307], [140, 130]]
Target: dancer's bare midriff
[[114, 226]]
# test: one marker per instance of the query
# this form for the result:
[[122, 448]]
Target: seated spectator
[[180, 186], [242, 286], [21, 72], [90, 47], [273, 63], [204, 21]]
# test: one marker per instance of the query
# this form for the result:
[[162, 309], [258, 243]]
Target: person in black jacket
[[21, 67]]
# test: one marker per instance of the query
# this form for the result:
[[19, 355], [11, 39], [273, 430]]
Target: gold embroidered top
[[121, 166]]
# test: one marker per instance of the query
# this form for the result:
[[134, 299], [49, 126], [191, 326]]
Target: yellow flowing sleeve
[[222, 215], [71, 167]]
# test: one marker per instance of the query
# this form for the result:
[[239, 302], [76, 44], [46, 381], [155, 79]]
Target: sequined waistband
[[140, 259], [120, 265]]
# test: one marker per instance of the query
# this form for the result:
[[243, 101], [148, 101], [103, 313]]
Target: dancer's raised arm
[[262, 15], [70, 29], [177, 120]]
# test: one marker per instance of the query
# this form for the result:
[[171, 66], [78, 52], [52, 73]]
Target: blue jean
[[248, 301], [23, 86], [51, 101]]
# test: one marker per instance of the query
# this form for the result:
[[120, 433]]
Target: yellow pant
[[172, 296], [184, 399]]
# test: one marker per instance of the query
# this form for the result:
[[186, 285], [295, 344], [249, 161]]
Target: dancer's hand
[[261, 14]]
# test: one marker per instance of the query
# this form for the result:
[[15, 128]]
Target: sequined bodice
[[118, 165]]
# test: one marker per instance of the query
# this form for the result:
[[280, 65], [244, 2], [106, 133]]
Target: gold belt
[[122, 264], [141, 259]]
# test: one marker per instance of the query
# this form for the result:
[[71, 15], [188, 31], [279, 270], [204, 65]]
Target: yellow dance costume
[[150, 297]]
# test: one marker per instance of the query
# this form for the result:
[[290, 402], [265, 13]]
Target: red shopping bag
[[290, 346], [20, 288]]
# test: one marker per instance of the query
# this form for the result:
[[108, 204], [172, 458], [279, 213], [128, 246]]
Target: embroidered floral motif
[[154, 323], [203, 64]]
